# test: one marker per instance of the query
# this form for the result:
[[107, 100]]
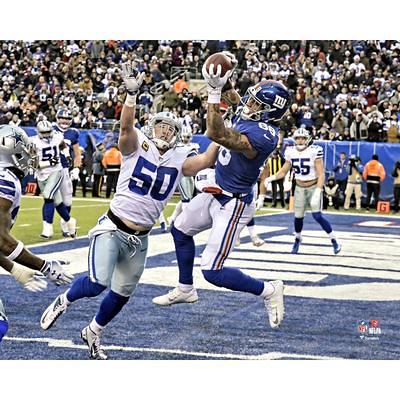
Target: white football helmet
[[302, 133], [16, 149], [186, 136], [45, 130], [164, 130]]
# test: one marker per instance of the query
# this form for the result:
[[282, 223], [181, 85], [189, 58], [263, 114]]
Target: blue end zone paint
[[221, 322]]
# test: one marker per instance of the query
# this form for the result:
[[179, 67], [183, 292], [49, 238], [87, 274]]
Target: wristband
[[130, 100], [214, 96], [16, 252]]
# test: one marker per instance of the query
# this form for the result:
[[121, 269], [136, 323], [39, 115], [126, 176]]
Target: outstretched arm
[[227, 137], [193, 165], [128, 140]]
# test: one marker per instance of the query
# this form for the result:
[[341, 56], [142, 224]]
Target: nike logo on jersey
[[266, 136]]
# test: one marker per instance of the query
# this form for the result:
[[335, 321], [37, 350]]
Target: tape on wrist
[[16, 252], [130, 100], [214, 96]]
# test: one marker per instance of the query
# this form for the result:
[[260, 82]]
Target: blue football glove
[[55, 272]]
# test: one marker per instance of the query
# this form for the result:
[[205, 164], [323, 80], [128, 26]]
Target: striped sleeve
[[7, 189], [319, 152]]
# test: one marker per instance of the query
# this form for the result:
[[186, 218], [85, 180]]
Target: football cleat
[[64, 228], [176, 296], [257, 241], [336, 246], [164, 227], [53, 312], [296, 246], [274, 305], [47, 231], [92, 340], [71, 224]]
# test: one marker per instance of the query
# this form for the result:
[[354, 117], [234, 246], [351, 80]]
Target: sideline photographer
[[354, 180]]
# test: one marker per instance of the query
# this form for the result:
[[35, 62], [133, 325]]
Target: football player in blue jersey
[[244, 148], [17, 156], [71, 138]]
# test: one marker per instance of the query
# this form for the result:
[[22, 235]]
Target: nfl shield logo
[[362, 327]]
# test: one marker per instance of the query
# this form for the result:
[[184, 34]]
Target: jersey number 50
[[142, 183]]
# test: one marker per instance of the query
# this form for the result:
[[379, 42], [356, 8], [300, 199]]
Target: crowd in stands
[[342, 90]]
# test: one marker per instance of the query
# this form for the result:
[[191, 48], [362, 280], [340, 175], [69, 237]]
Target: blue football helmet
[[64, 118], [266, 101]]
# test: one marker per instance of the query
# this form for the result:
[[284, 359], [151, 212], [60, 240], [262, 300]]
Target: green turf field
[[29, 221], [86, 211]]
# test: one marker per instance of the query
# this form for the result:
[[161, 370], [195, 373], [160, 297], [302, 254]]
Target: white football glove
[[215, 81], [316, 198], [131, 81], [260, 201], [54, 271], [269, 179], [75, 174], [30, 279]]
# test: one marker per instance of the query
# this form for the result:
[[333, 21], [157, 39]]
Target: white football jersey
[[10, 189], [303, 162], [146, 182], [46, 151]]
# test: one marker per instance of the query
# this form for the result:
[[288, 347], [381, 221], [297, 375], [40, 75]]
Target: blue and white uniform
[[71, 137], [10, 189], [146, 182], [227, 213]]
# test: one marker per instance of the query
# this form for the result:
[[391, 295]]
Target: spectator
[[375, 129], [396, 186], [374, 174], [359, 127], [354, 181]]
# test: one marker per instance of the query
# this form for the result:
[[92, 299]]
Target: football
[[219, 59]]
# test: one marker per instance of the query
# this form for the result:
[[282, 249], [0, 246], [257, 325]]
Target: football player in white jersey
[[49, 144], [17, 156], [186, 185], [307, 162], [150, 172], [71, 138]]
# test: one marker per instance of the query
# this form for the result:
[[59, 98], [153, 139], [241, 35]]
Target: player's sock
[[110, 306], [185, 252], [83, 287], [268, 291], [48, 211], [234, 279], [251, 227], [185, 288], [177, 211], [68, 208], [332, 235], [298, 226], [326, 226], [62, 209], [95, 327]]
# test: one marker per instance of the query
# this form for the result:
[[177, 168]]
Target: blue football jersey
[[71, 137], [235, 172]]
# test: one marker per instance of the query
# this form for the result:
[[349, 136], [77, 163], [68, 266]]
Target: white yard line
[[266, 356]]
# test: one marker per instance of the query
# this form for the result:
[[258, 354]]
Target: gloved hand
[[75, 174], [30, 279], [269, 179], [132, 81], [55, 272], [260, 201], [315, 201], [54, 161]]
